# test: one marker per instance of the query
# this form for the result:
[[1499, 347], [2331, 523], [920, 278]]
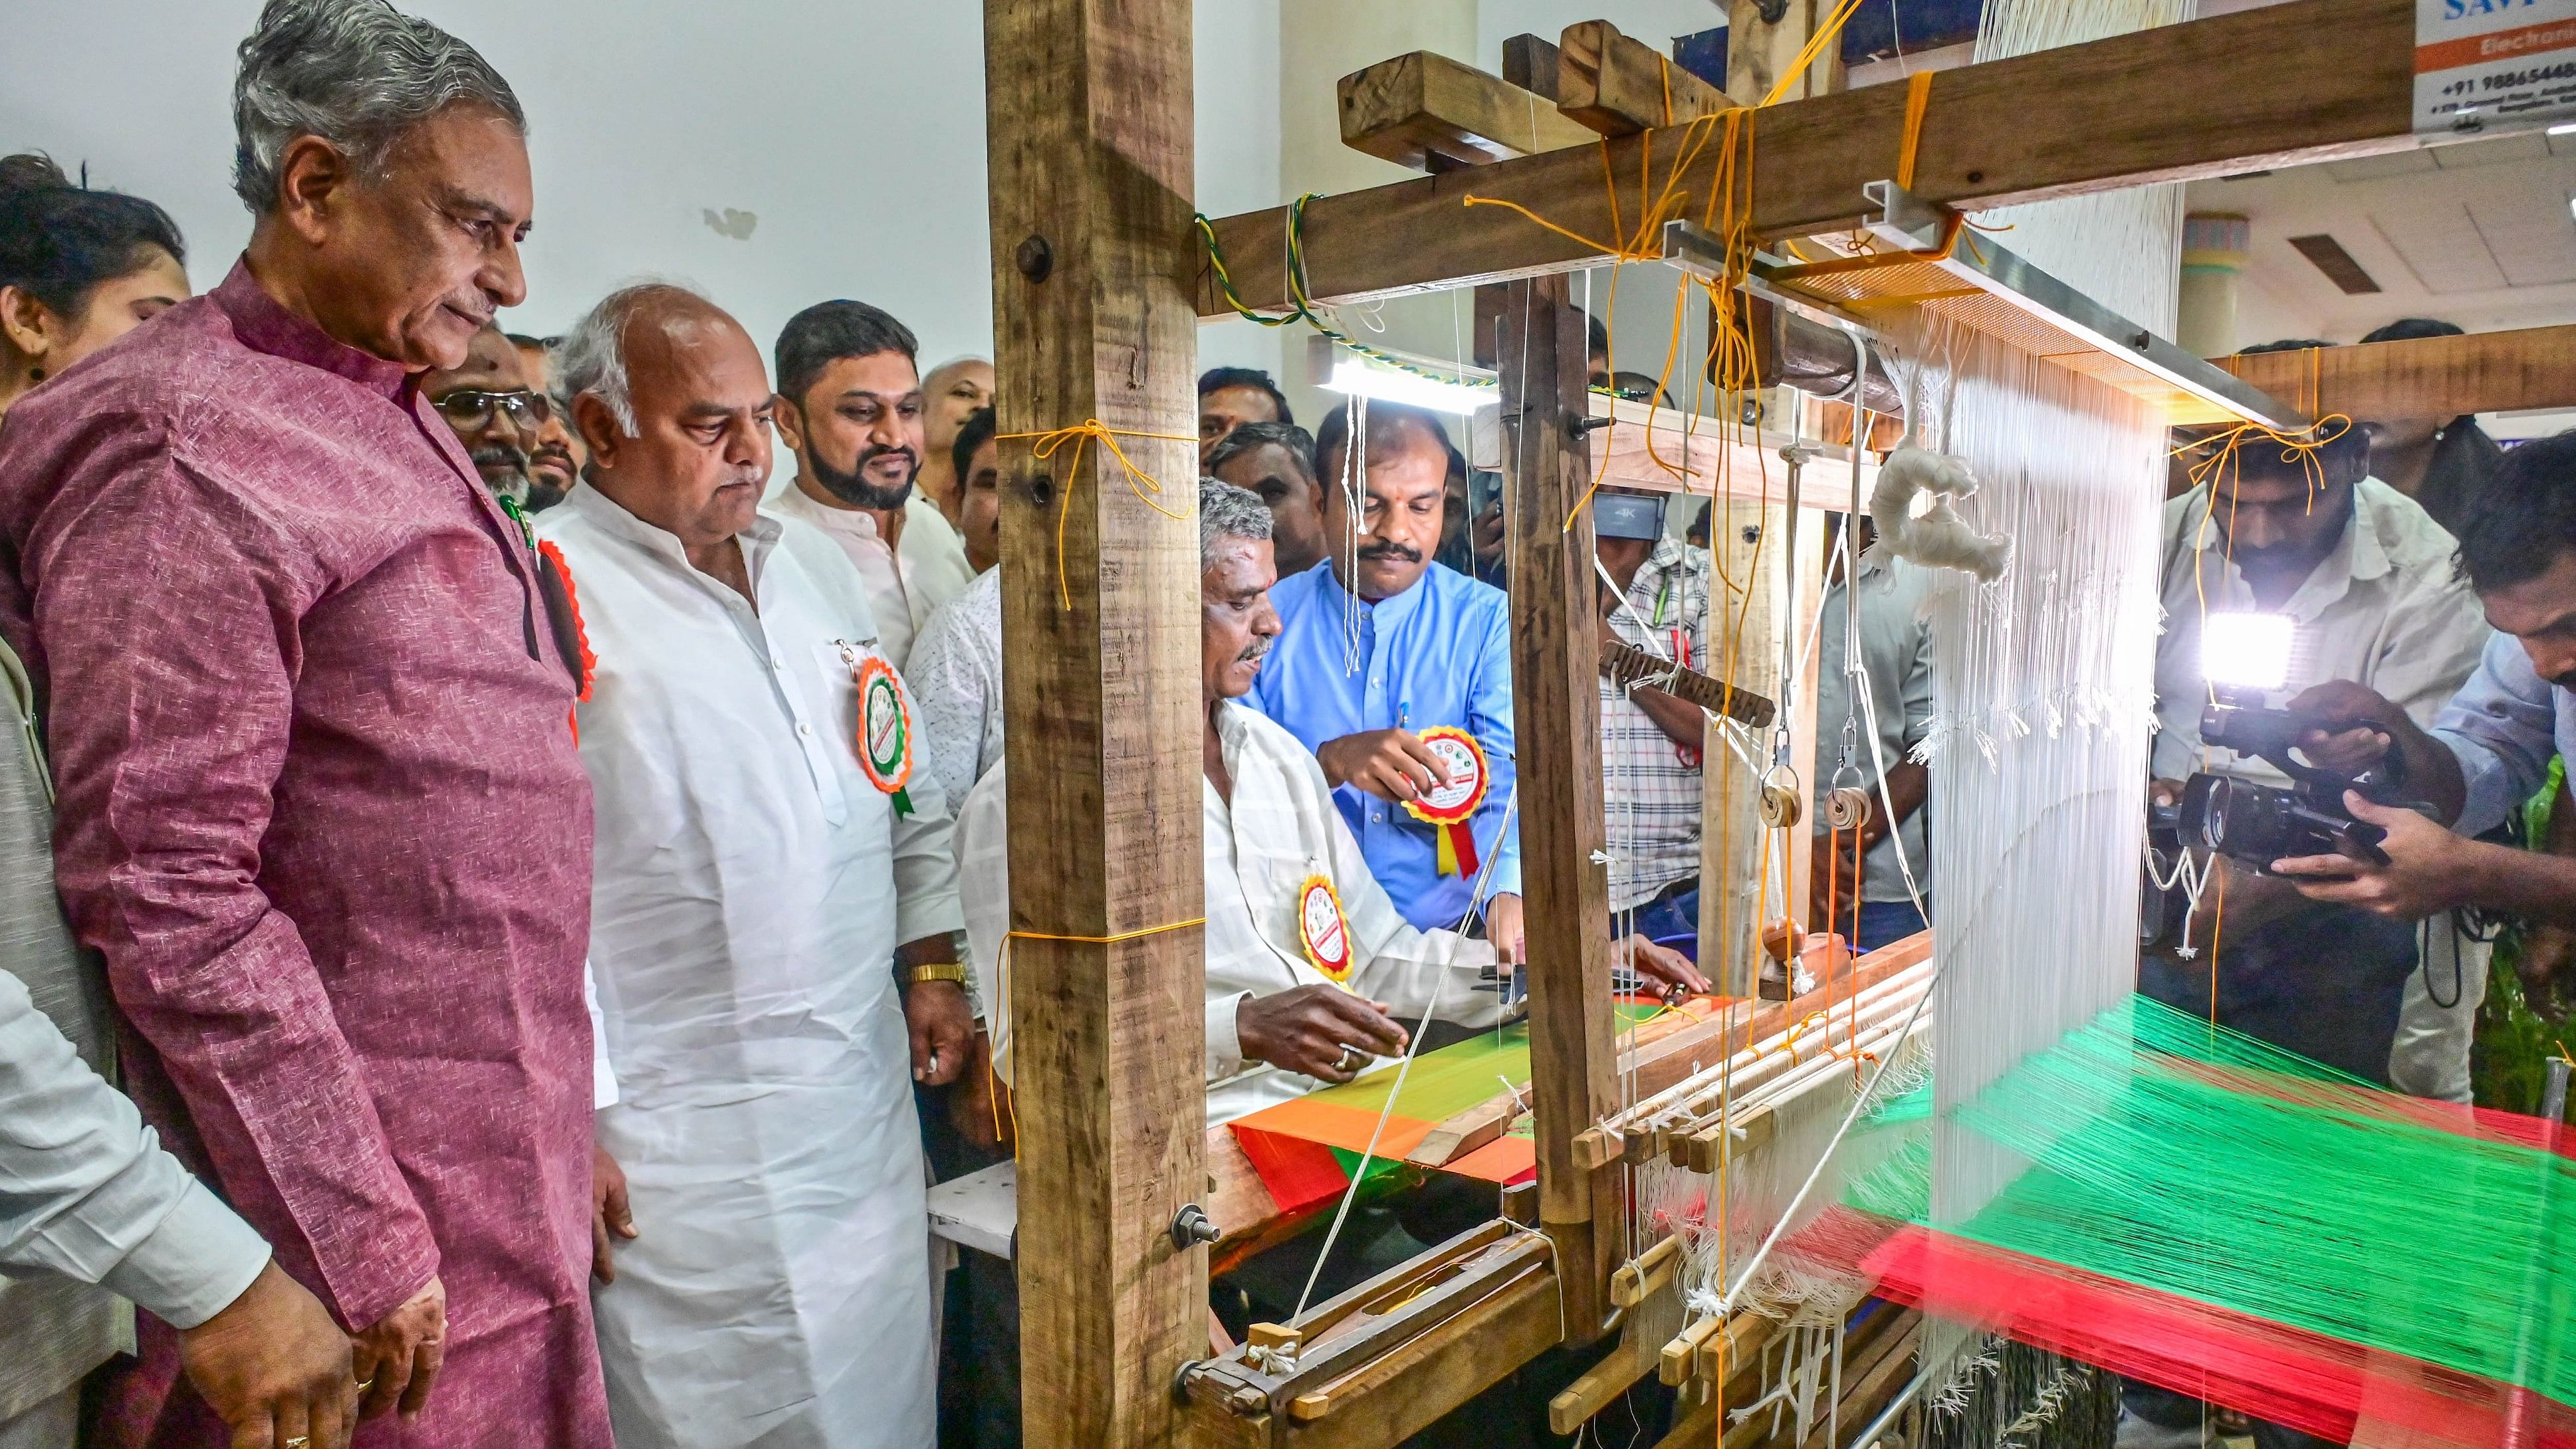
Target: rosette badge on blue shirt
[[1438, 654]]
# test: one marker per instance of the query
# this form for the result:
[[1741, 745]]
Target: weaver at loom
[[1312, 975]]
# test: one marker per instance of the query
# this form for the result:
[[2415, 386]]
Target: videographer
[[2296, 547], [2490, 747]]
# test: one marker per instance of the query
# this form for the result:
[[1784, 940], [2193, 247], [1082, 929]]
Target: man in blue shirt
[[2489, 750], [1377, 643]]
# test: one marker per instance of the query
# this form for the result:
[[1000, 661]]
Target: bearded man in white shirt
[[773, 904], [852, 410], [1312, 974]]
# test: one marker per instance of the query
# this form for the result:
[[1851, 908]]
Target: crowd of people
[[505, 911]]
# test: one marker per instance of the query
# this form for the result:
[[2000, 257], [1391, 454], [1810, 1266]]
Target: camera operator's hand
[[2366, 723], [2367, 726], [2429, 869]]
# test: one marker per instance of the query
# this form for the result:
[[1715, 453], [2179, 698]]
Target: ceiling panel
[[2529, 233], [2441, 245]]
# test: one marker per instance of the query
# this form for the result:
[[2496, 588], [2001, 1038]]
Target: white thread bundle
[[1937, 537], [2042, 680]]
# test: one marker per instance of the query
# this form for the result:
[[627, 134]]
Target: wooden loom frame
[[1099, 281]]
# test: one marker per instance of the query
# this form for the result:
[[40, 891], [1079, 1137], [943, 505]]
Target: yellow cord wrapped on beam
[[1918, 102], [1139, 482]]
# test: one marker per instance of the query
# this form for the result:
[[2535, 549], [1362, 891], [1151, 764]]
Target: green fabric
[[1461, 1075], [2281, 1196], [2509, 1055]]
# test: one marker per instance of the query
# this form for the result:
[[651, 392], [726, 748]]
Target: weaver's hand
[[399, 1355], [1319, 1030], [274, 1367], [610, 1216], [1661, 963], [2429, 869], [1390, 764], [943, 1030]]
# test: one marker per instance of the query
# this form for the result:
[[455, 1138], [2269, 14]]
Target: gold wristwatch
[[953, 971]]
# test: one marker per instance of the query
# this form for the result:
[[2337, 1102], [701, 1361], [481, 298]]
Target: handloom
[[1089, 236]]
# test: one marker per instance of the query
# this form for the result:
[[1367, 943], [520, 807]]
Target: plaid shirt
[[1650, 784]]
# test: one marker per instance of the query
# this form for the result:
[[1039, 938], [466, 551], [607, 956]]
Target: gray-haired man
[[1289, 896], [320, 808]]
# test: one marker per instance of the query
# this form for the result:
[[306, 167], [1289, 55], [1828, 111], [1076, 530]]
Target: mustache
[[1389, 548], [497, 455], [870, 455], [1254, 651], [555, 453]]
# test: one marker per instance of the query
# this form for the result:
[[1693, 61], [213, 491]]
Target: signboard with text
[[2493, 64]]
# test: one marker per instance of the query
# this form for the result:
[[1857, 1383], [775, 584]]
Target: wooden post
[[1088, 128], [1557, 727], [1743, 644], [1760, 51]]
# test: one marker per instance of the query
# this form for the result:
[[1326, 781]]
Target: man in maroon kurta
[[319, 805]]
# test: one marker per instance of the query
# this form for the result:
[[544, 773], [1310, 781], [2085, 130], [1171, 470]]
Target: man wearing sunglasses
[[498, 418]]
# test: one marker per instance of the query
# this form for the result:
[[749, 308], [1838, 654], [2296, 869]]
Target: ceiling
[[2478, 233]]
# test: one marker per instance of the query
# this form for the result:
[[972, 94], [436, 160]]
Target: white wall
[[854, 132]]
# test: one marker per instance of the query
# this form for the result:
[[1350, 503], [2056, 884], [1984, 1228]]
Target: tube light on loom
[[1362, 378]]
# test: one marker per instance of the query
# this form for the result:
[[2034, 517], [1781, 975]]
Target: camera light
[[1385, 384], [2251, 651]]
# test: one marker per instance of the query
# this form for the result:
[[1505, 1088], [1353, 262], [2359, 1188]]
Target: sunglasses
[[469, 408]]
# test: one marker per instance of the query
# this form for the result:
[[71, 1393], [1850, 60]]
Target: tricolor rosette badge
[[1322, 930], [1452, 807], [885, 731]]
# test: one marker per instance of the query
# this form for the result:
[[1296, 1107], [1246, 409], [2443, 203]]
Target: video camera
[[2259, 824]]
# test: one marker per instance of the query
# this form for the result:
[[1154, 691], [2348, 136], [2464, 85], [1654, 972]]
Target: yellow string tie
[[1002, 970], [1139, 482], [1107, 940], [2306, 442]]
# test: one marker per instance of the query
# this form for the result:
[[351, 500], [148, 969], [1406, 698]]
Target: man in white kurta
[[754, 881], [1279, 1023]]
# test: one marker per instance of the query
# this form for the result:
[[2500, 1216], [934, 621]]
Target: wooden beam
[[1556, 706], [1089, 158], [2202, 99], [1760, 51], [1429, 112], [2483, 372], [1618, 86], [1406, 1392], [1529, 61], [1605, 1382]]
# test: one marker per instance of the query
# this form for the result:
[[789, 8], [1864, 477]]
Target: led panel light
[[1355, 375], [2250, 651]]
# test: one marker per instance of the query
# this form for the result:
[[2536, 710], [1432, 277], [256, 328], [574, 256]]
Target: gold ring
[[298, 1442], [366, 1384]]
